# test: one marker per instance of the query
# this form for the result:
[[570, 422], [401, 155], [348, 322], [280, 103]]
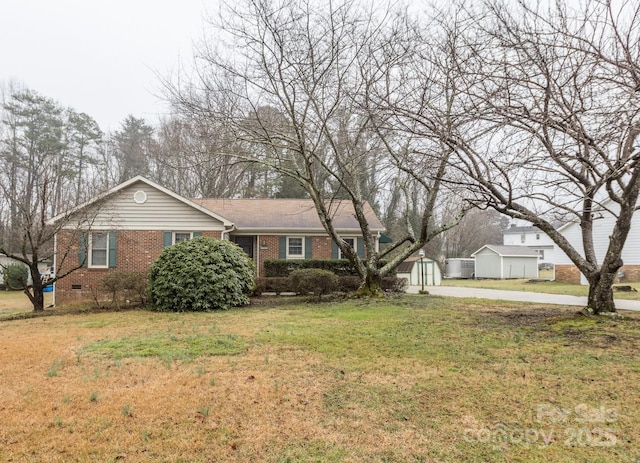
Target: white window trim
[[173, 235], [355, 245], [90, 263], [296, 256]]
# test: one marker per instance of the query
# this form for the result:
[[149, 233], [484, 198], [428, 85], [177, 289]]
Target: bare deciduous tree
[[321, 68], [557, 92], [477, 228]]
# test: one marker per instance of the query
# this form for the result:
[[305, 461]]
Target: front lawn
[[17, 301], [412, 379]]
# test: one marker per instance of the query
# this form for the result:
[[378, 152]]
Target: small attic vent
[[140, 197]]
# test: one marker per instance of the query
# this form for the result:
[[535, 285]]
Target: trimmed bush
[[16, 276], [201, 274], [126, 286], [284, 268], [349, 284], [389, 284], [313, 280], [394, 285], [276, 285], [345, 284]]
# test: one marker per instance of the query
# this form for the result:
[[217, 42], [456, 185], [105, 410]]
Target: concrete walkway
[[522, 296]]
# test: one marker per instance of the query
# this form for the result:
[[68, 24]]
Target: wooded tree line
[[526, 109], [530, 109], [54, 158]]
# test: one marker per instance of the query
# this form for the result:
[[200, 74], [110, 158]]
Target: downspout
[[257, 253], [55, 266], [229, 230]]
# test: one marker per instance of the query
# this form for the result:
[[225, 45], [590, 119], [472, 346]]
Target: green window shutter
[[82, 254], [308, 247], [360, 247], [167, 239], [113, 250], [282, 253], [196, 234], [334, 250]]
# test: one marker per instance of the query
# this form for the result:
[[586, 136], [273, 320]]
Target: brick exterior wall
[[270, 250], [631, 274], [320, 249], [567, 274], [571, 274], [136, 250], [321, 246]]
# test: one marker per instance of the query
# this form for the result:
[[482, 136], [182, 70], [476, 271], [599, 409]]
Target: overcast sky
[[100, 58]]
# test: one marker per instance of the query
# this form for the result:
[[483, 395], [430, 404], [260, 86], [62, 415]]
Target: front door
[[246, 243]]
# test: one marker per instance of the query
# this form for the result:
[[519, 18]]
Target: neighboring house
[[6, 261], [567, 272], [410, 269], [135, 220], [533, 238], [502, 262]]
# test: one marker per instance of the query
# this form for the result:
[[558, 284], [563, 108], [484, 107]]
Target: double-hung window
[[99, 250], [181, 236], [295, 247], [173, 237]]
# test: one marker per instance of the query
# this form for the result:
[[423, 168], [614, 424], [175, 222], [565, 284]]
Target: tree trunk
[[35, 293], [37, 299], [370, 286], [600, 299]]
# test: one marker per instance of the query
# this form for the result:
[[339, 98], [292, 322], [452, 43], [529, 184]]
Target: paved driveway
[[522, 296]]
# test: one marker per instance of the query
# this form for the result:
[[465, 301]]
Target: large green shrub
[[201, 274], [313, 280], [16, 276]]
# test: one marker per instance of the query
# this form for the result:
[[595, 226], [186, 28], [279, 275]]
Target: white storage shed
[[410, 269], [503, 262]]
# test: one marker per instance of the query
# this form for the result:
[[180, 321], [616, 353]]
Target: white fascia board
[[298, 231]]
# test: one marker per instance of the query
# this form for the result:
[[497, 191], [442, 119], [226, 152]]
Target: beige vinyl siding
[[159, 212], [519, 267], [488, 265]]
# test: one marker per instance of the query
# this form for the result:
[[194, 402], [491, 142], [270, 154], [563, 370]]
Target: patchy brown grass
[[17, 301], [412, 379]]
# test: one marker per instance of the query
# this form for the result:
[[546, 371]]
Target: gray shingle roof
[[286, 214], [509, 250], [528, 229]]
